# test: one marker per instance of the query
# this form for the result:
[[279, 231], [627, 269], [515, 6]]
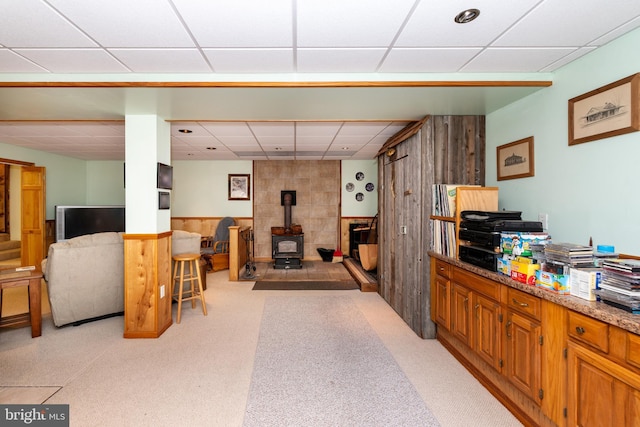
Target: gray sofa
[[85, 275]]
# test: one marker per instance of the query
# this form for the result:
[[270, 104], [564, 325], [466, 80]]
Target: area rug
[[319, 363], [301, 285]]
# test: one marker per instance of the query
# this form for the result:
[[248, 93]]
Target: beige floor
[[198, 373]]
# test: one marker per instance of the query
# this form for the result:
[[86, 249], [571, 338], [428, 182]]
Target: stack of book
[[570, 255], [620, 285]]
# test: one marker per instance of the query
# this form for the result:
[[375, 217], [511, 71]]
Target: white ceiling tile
[[515, 60], [74, 60], [21, 25], [162, 60], [369, 129], [318, 146], [432, 23], [302, 141], [264, 129], [355, 23], [250, 60], [235, 129], [240, 147], [417, 60], [199, 141], [564, 23], [276, 141], [219, 23], [237, 140], [339, 60], [125, 23], [194, 127], [13, 63]]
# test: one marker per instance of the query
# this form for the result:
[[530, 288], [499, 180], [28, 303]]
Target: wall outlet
[[544, 219]]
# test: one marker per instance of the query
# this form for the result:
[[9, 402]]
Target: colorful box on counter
[[519, 242], [524, 271], [503, 264], [584, 281], [559, 283]]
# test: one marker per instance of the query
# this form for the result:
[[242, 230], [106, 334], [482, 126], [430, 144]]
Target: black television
[[73, 221]]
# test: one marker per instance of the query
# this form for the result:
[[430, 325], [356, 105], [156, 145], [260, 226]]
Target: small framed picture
[[515, 160], [239, 187]]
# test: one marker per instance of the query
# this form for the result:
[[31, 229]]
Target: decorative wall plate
[[359, 197], [360, 176], [369, 186], [349, 187]]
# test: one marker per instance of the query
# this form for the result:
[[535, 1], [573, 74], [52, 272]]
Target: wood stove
[[287, 243]]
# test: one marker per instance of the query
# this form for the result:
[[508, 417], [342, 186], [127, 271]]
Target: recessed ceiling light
[[345, 148], [185, 130], [466, 16], [211, 148]]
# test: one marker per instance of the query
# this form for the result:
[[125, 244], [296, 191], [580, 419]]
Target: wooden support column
[[147, 297], [147, 240]]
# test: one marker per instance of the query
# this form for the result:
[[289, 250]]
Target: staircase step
[[9, 254], [4, 237], [9, 244]]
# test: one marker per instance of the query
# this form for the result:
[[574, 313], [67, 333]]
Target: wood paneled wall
[[446, 150]]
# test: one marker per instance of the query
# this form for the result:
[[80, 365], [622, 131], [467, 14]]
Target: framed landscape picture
[[604, 112], [515, 160], [239, 187]]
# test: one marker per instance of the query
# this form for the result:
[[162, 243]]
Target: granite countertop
[[598, 310]]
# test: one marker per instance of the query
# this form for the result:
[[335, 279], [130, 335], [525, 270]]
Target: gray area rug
[[319, 363], [301, 285]]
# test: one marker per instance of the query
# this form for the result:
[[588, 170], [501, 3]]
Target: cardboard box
[[559, 283], [503, 265], [524, 272], [519, 243], [584, 281]]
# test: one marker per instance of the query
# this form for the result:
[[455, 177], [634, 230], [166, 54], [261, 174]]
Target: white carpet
[[319, 363]]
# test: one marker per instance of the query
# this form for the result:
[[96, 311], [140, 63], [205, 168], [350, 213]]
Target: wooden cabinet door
[[601, 392], [442, 302], [486, 330], [33, 235], [460, 313], [523, 354]]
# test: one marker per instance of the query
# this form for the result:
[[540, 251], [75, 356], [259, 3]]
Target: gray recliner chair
[[216, 249]]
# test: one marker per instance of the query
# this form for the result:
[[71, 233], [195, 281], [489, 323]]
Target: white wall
[[200, 189], [369, 204], [590, 189], [65, 177], [105, 183]]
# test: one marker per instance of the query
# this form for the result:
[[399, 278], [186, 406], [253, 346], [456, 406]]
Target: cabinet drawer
[[443, 268], [589, 331], [524, 303], [477, 283]]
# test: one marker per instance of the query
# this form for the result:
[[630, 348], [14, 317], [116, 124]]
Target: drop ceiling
[[277, 79]]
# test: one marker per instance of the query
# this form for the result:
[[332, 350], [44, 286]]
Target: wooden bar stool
[[195, 291]]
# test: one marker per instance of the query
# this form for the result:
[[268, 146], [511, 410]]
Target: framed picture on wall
[[515, 160], [604, 112], [239, 187]]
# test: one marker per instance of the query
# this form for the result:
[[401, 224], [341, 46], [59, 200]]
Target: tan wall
[[317, 186]]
